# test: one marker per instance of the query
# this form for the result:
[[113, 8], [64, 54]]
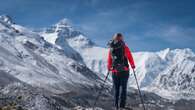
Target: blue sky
[[148, 25]]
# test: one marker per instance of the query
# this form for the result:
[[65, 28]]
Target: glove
[[133, 66], [109, 69]]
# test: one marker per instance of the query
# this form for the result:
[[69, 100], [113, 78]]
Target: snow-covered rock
[[6, 19]]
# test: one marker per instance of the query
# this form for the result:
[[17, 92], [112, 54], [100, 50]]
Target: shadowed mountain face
[[61, 69]]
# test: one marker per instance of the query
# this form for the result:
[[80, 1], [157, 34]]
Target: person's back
[[118, 57]]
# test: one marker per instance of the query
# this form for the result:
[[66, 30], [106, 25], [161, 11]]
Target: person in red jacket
[[119, 58]]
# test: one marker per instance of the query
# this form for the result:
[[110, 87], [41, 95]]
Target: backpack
[[119, 60]]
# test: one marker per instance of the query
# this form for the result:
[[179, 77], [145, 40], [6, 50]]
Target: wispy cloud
[[175, 34]]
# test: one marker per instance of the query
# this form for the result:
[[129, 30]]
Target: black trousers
[[120, 81]]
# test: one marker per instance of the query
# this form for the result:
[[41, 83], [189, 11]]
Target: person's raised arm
[[129, 57]]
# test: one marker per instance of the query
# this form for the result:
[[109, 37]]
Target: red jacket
[[128, 56]]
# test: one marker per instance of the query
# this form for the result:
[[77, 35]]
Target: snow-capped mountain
[[57, 35], [172, 70], [27, 56], [178, 78], [93, 56]]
